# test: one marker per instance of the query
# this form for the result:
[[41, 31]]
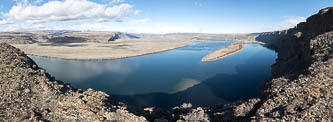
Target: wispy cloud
[[291, 22], [198, 4], [140, 21], [161, 28], [116, 1], [136, 12], [2, 22], [288, 22]]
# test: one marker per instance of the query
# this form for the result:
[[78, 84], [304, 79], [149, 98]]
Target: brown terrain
[[105, 45], [88, 45], [301, 87]]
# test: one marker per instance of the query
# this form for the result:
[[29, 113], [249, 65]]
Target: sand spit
[[223, 52], [100, 51], [228, 50]]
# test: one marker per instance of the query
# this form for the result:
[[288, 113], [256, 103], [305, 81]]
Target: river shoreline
[[101, 51], [115, 50]]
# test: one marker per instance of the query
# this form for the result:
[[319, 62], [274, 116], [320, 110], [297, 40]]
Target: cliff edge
[[302, 84], [28, 93]]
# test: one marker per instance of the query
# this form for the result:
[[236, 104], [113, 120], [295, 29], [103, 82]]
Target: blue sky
[[157, 16]]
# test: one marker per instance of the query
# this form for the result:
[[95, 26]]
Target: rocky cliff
[[302, 84], [301, 88], [28, 93], [295, 45]]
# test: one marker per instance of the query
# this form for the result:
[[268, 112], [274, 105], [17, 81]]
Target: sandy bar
[[228, 50], [100, 51], [223, 52]]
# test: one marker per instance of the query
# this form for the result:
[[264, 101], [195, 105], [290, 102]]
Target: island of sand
[[223, 52], [228, 50]]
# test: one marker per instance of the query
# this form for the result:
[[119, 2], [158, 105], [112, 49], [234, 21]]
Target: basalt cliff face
[[302, 84], [295, 46]]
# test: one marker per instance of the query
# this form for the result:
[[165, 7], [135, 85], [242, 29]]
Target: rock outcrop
[[302, 85], [301, 94], [273, 39], [28, 93], [294, 45]]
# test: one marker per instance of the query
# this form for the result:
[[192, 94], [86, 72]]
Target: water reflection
[[222, 87], [185, 84], [78, 71], [170, 78]]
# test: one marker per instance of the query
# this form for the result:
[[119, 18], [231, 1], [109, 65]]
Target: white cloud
[[24, 27], [116, 1], [291, 22], [2, 22], [140, 21], [68, 10], [156, 28], [136, 12]]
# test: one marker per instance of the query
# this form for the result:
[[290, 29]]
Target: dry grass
[[99, 51]]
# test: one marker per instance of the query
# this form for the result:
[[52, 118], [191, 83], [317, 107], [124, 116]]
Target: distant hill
[[63, 36]]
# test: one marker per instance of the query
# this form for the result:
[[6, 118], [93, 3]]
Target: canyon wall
[[302, 85], [301, 88]]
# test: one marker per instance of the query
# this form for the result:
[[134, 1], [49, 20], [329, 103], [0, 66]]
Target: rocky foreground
[[301, 88], [28, 93]]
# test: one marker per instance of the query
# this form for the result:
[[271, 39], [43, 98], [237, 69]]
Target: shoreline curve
[[98, 54]]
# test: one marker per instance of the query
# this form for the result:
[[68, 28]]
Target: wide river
[[172, 77]]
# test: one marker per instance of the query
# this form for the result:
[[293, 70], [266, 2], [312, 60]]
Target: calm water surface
[[178, 74]]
